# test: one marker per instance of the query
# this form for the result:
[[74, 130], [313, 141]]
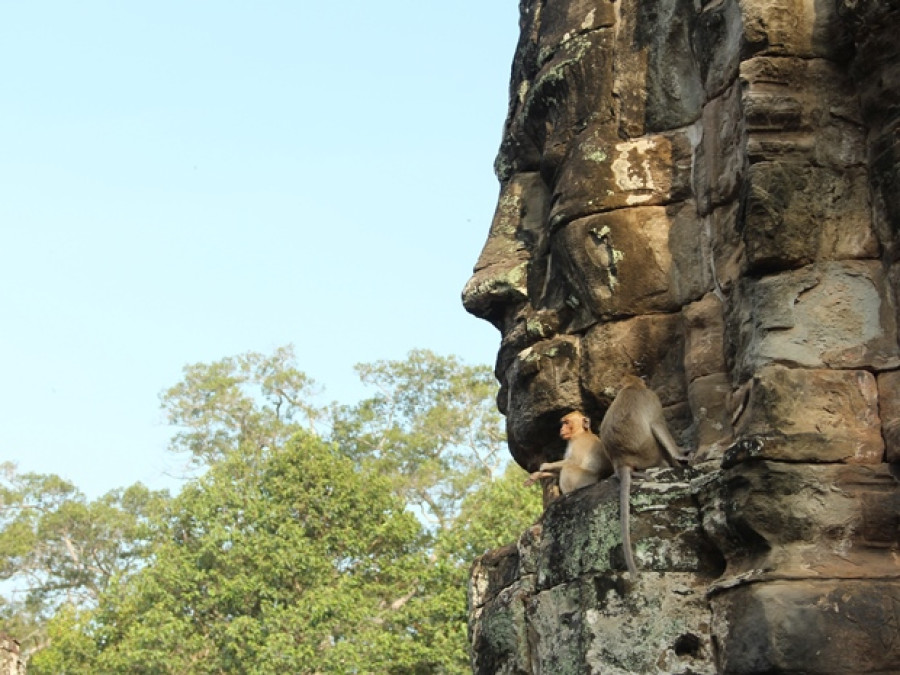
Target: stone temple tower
[[706, 194]]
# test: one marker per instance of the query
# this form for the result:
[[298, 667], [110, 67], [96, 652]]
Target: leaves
[[298, 563], [293, 550], [431, 425], [492, 516], [57, 548], [253, 401]]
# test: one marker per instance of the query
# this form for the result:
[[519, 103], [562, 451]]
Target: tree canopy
[[332, 539], [59, 549]]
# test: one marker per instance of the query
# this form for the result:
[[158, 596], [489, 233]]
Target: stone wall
[[11, 662], [706, 194], [552, 603]]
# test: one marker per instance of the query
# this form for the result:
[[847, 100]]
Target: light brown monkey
[[634, 436], [584, 462]]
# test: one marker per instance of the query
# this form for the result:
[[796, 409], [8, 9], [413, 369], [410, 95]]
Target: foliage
[[432, 426], [252, 401], [293, 551], [493, 516], [57, 548], [70, 647], [300, 564]]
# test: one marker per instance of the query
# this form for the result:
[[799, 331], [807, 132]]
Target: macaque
[[584, 462], [634, 435]]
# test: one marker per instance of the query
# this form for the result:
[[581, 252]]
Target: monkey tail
[[624, 512], [671, 452]]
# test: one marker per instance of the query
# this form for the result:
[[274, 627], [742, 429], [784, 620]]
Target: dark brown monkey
[[584, 462], [634, 436]]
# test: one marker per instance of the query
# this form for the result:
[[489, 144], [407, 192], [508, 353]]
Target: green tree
[[252, 400], [70, 647], [295, 551], [432, 426], [298, 563], [58, 549], [490, 517]]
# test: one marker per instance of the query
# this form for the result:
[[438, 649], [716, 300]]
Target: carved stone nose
[[499, 286], [491, 291]]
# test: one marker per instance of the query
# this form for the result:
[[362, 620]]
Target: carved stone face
[[662, 211], [583, 272]]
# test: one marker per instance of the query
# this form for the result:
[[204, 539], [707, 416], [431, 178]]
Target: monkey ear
[[586, 423]]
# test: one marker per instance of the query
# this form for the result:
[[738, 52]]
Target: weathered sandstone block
[[561, 22], [885, 176], [829, 626], [797, 214], [666, 629], [498, 628], [710, 407], [704, 331], [500, 277], [801, 110], [800, 415], [581, 531], [792, 27], [889, 410], [571, 603], [570, 92], [691, 248], [728, 259], [720, 162], [618, 263], [876, 63], [717, 45], [829, 315], [651, 345], [544, 384], [603, 172], [658, 83], [774, 520]]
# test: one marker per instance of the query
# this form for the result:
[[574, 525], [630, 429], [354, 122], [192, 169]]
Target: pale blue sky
[[183, 181]]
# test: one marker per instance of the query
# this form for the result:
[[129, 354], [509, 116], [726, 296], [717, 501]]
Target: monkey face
[[573, 425], [566, 429]]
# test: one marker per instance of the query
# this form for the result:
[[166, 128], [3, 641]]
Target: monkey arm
[[537, 475], [547, 470], [554, 466]]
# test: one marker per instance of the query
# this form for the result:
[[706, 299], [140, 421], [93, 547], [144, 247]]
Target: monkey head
[[574, 424]]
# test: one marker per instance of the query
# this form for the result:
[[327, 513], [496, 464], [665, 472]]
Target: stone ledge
[[835, 627], [778, 520]]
